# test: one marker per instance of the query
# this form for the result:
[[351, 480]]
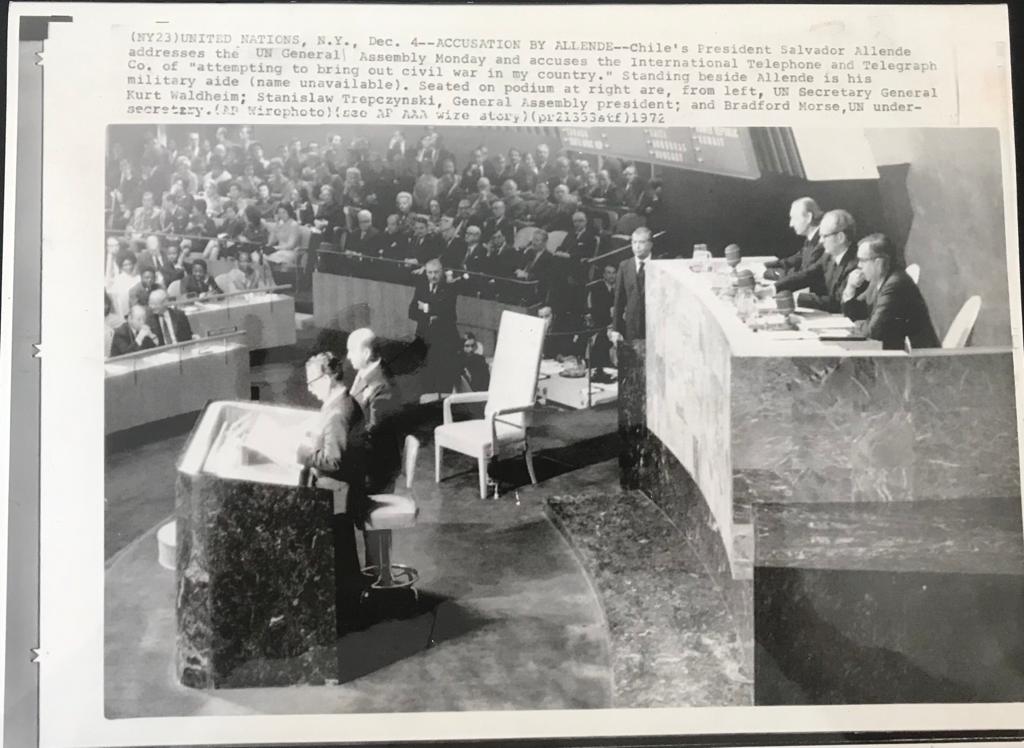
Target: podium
[[255, 563]]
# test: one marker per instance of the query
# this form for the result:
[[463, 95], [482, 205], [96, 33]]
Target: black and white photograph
[[463, 418]]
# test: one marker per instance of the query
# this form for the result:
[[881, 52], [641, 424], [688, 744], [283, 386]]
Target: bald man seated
[[134, 334], [169, 324]]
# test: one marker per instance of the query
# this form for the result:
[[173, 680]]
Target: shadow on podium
[[396, 625]]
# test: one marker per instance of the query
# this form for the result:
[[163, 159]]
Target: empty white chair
[[393, 512], [509, 401], [914, 271], [963, 324]]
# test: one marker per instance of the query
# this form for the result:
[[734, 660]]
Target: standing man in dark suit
[[805, 220], [892, 308], [600, 300], [433, 309], [170, 325], [423, 246], [628, 314], [826, 278], [134, 334]]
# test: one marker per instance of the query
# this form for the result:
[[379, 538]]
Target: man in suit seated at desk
[[134, 334], [826, 278], [805, 220], [364, 240], [250, 273], [170, 325], [892, 308]]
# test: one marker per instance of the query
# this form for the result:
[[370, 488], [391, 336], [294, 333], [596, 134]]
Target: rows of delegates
[[173, 208]]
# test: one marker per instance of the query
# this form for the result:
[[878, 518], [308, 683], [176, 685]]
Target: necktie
[[640, 276], [167, 332], [432, 289]]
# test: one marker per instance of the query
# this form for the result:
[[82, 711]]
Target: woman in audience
[[121, 279], [285, 237], [198, 283], [434, 215]]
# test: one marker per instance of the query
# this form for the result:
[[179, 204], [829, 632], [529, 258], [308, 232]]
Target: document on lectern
[[755, 534]]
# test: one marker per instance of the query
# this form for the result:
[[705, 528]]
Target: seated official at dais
[[892, 308]]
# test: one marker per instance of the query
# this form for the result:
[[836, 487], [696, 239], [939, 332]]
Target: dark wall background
[[939, 195]]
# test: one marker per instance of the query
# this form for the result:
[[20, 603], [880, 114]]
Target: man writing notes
[[433, 309], [892, 309], [805, 220], [628, 313], [134, 335], [826, 278]]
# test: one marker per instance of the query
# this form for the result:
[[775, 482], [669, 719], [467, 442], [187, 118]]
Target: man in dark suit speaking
[[628, 314]]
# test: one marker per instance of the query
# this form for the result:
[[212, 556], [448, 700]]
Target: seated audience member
[[565, 206], [134, 334], [475, 374], [453, 249], [146, 217], [264, 204], [425, 188], [503, 259], [539, 264], [528, 176], [199, 222], [121, 281], [605, 194], [285, 237], [826, 278], [406, 216], [248, 273], [139, 293], [172, 266], [170, 325], [393, 244], [651, 207], [499, 221], [892, 308], [632, 187], [804, 219], [254, 231], [365, 239], [515, 205], [475, 256], [423, 246], [198, 283], [480, 201], [464, 217], [434, 216], [449, 187], [329, 216], [111, 321], [579, 244], [304, 210], [540, 211]]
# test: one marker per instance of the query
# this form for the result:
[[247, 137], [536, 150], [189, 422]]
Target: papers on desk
[[276, 439], [821, 321]]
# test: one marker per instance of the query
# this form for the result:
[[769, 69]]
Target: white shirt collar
[[364, 372]]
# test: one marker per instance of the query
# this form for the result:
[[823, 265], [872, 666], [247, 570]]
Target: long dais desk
[[266, 316], [176, 379], [804, 420], [353, 291]]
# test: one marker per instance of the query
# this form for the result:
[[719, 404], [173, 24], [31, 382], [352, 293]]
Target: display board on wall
[[728, 151]]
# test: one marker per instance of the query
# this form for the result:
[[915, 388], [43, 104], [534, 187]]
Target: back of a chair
[[174, 290], [555, 239], [409, 455], [963, 324], [914, 271], [305, 233], [516, 365], [523, 237]]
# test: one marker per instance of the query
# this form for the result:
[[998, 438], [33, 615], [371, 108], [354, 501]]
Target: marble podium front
[[255, 567], [813, 421]]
